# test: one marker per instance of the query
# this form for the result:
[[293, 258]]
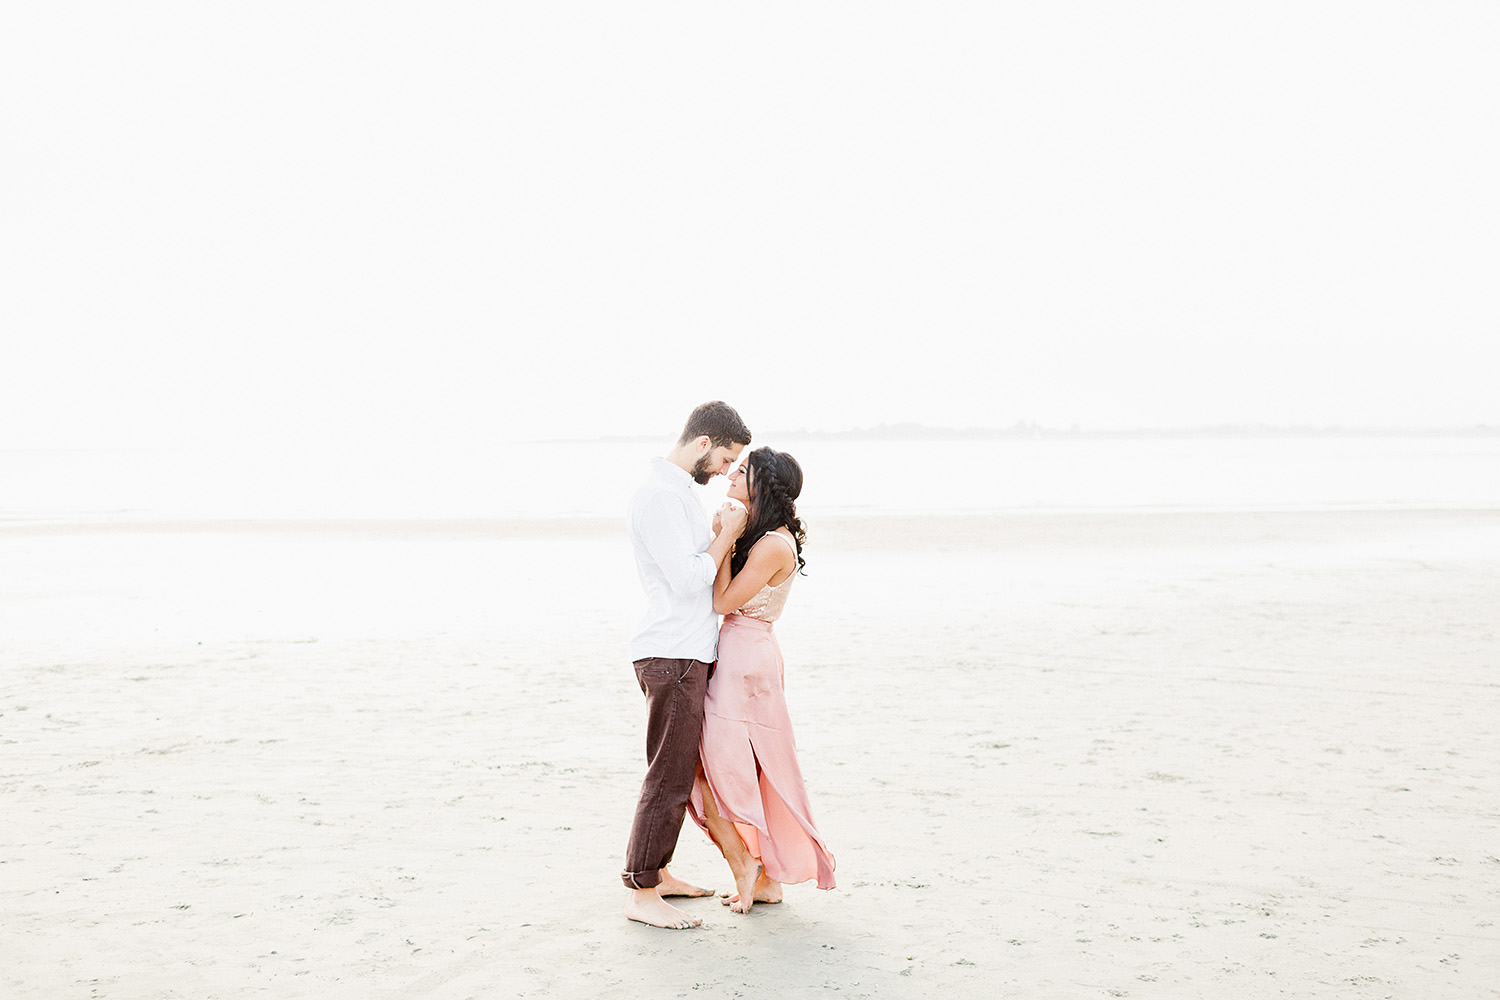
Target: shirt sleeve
[[668, 538]]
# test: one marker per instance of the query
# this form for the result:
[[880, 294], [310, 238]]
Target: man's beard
[[703, 470]]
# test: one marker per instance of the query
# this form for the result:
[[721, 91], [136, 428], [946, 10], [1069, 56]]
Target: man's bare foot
[[671, 885], [647, 906], [766, 891]]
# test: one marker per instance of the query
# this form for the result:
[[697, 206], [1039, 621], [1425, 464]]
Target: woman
[[749, 796]]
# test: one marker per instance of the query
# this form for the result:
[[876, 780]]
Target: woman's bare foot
[[647, 906], [744, 899], [766, 891], [671, 885]]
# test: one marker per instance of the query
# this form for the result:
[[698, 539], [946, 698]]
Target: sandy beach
[[1154, 755]]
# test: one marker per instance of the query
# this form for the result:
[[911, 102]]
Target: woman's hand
[[731, 518]]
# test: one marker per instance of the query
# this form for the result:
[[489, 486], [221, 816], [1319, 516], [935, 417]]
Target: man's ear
[[702, 444]]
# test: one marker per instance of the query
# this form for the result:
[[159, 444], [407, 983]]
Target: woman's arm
[[766, 560]]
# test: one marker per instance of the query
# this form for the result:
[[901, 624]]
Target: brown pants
[[674, 722]]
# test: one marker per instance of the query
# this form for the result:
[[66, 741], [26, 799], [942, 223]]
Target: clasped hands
[[731, 517]]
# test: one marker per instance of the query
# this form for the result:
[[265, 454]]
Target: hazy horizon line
[[910, 430], [900, 431]]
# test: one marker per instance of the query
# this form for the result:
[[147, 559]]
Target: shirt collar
[[671, 471]]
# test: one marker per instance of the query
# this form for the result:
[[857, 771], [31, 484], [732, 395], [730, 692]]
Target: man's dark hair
[[719, 422]]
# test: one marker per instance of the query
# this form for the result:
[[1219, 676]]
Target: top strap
[[784, 538]]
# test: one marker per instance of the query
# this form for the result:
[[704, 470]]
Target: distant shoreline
[[846, 525], [878, 432], [1026, 431]]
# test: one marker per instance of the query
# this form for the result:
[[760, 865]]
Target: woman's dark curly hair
[[775, 483]]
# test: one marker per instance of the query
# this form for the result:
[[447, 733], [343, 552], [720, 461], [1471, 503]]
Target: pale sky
[[369, 222]]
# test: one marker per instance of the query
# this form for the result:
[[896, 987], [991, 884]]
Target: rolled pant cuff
[[641, 880]]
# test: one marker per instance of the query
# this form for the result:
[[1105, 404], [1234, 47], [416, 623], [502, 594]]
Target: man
[[674, 650]]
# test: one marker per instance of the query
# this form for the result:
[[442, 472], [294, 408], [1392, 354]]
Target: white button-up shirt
[[670, 534]]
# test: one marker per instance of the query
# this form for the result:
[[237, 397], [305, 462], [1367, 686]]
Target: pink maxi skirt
[[750, 758]]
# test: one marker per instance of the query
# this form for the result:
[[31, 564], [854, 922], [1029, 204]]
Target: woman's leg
[[767, 889], [745, 867]]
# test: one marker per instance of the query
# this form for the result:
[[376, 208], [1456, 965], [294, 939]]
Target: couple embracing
[[718, 738]]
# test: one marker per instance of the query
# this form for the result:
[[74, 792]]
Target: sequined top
[[771, 601]]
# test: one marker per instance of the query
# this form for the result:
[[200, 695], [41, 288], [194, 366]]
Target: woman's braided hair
[[776, 482]]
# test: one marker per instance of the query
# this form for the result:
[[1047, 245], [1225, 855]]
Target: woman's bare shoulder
[[786, 544]]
